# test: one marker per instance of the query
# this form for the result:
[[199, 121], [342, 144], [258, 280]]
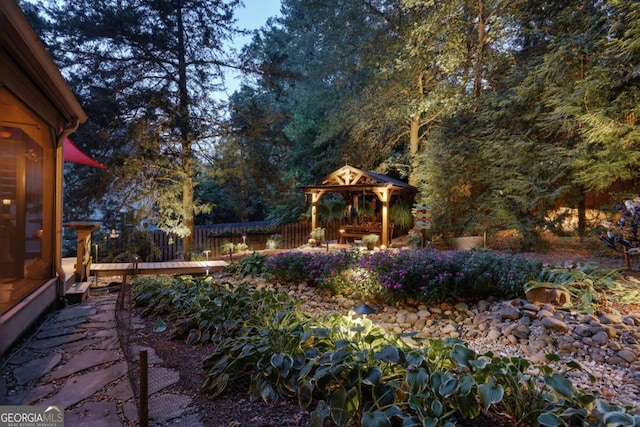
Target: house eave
[[22, 43]]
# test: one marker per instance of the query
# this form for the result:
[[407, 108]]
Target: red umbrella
[[74, 154]]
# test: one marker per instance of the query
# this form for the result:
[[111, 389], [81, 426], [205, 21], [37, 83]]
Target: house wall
[[34, 102], [27, 189]]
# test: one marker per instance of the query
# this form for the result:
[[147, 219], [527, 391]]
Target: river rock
[[554, 324], [548, 296]]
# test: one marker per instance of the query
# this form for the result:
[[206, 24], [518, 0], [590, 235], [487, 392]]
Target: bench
[[359, 231]]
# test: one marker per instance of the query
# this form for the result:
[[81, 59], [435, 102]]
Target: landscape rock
[[553, 296]]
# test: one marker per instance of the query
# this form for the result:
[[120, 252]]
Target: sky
[[252, 16], [255, 12]]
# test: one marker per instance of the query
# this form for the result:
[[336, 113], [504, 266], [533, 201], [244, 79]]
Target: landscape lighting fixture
[[365, 308]]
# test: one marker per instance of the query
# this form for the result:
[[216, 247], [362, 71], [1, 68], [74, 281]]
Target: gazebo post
[[384, 194], [315, 198]]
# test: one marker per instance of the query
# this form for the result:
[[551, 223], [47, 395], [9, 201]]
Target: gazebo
[[351, 183]]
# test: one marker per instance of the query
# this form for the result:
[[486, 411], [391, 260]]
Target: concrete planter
[[469, 242]]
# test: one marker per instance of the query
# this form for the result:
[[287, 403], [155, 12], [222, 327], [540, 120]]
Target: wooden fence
[[213, 239]]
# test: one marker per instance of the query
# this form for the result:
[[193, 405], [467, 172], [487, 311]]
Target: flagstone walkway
[[74, 360]]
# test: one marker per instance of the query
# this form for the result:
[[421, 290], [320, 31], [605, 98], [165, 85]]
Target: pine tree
[[158, 62]]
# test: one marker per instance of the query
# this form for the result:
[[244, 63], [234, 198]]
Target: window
[[22, 268]]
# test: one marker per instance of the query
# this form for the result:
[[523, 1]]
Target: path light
[[207, 252], [365, 309]]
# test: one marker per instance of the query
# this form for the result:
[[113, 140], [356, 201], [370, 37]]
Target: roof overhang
[[23, 44], [349, 179]]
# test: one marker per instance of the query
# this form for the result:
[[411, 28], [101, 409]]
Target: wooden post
[[123, 289], [384, 195], [627, 258]]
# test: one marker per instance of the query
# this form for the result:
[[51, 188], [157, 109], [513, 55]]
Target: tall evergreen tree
[[159, 63], [607, 101]]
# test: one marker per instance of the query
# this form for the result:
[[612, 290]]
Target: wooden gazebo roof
[[348, 179]]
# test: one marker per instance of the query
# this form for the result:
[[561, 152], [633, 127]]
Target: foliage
[[137, 244], [431, 275], [400, 215], [274, 241], [148, 94], [497, 111], [227, 247], [421, 275], [357, 372], [331, 208], [592, 288], [290, 267], [317, 234], [329, 270], [370, 239], [201, 311], [230, 247], [251, 266], [415, 238]]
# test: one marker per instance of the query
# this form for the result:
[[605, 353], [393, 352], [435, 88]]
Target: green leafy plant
[[370, 240], [414, 238], [251, 266], [357, 372], [274, 241], [317, 234], [590, 286], [199, 310], [227, 248], [401, 216]]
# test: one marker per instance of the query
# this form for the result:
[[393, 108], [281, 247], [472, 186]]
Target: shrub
[[407, 274], [317, 234], [485, 273], [274, 241], [289, 267], [433, 276], [424, 275], [253, 265], [227, 247], [338, 272]]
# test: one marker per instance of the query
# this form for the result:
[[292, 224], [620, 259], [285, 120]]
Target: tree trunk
[[185, 134], [414, 141]]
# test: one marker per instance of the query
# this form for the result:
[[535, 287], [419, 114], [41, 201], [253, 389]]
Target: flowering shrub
[[289, 267], [337, 271], [432, 276], [423, 275], [489, 273]]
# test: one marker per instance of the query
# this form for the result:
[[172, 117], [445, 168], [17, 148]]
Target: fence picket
[[212, 239]]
